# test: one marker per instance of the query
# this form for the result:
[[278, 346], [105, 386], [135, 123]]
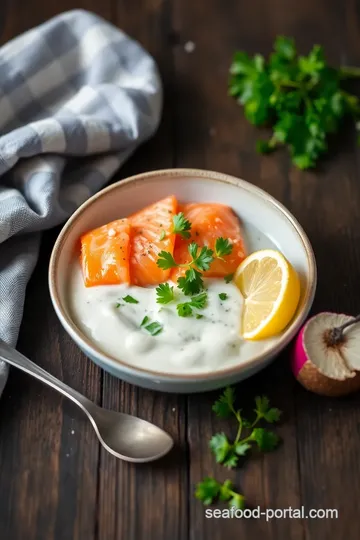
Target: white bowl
[[266, 223]]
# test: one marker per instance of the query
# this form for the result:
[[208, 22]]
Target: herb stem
[[238, 435], [349, 72]]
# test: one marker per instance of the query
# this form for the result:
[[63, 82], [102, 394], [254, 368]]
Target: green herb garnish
[[223, 296], [154, 328], [197, 302], [301, 97], [201, 258], [228, 278], [164, 293], [227, 452], [145, 320], [117, 305], [166, 260], [223, 247], [182, 225], [130, 299], [192, 283], [210, 489], [162, 235]]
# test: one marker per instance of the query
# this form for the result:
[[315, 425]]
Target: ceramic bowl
[[266, 223]]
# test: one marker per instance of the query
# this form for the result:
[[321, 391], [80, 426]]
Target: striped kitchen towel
[[77, 96]]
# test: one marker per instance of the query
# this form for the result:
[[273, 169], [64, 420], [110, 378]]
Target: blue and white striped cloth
[[77, 96]]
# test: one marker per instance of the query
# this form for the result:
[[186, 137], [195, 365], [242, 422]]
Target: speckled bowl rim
[[186, 174]]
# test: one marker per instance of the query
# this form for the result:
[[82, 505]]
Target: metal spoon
[[125, 436]]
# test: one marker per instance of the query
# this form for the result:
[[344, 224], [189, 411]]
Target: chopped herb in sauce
[[154, 328], [228, 278], [130, 299], [223, 296]]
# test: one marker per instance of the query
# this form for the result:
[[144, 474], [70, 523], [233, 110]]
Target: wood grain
[[147, 502], [49, 453], [55, 481]]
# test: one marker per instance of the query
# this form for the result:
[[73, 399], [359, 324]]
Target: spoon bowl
[[130, 438], [126, 437]]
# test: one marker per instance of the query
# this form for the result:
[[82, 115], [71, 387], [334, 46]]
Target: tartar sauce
[[184, 344]]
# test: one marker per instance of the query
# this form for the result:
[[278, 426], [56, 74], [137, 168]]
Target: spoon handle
[[13, 357]]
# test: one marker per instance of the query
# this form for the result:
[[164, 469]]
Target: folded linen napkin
[[77, 96]]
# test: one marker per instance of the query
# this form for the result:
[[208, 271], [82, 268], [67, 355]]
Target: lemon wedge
[[271, 290]]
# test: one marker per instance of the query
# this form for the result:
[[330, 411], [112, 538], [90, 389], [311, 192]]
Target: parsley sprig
[[227, 452], [185, 309], [201, 259], [210, 489], [302, 98]]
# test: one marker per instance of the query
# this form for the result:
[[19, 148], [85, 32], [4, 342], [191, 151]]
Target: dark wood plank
[[211, 133], [328, 203], [48, 451], [156, 492]]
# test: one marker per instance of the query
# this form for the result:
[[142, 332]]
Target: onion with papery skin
[[326, 354]]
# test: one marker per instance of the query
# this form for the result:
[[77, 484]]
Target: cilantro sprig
[[228, 452], [210, 489], [302, 98]]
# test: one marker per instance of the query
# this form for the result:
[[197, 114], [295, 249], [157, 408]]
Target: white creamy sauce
[[185, 344]]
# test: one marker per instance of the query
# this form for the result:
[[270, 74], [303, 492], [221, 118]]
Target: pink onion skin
[[299, 357]]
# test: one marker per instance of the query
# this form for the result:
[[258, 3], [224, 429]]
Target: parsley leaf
[[237, 501], [263, 410], [164, 293], [207, 490], [242, 448], [166, 260], [210, 489], [266, 440], [198, 302], [220, 446], [192, 283], [182, 225], [130, 299], [223, 246], [224, 406], [203, 259], [223, 296], [184, 310], [228, 278]]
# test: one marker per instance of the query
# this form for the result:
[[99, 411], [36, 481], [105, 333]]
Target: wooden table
[[56, 482]]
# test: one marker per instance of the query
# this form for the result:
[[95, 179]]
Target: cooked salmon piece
[[210, 221], [151, 233], [105, 254]]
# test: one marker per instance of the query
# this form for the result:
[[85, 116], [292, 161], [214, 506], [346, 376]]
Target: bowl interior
[[266, 225]]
